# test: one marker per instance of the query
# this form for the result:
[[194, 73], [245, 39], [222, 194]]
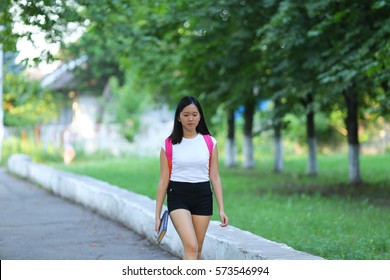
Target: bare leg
[[201, 224], [69, 155], [183, 223]]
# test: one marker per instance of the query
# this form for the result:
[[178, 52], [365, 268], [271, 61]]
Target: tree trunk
[[278, 163], [311, 137], [312, 168], [351, 122], [248, 127], [230, 149], [354, 166], [105, 99]]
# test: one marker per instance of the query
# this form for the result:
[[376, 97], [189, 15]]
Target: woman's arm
[[217, 186], [162, 187]]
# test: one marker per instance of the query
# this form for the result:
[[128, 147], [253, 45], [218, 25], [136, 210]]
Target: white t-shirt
[[190, 160]]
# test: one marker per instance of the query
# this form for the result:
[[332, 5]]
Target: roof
[[63, 75]]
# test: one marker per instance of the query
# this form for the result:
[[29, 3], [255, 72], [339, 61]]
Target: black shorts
[[195, 197]]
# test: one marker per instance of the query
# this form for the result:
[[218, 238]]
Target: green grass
[[322, 215]]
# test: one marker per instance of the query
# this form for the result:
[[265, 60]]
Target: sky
[[28, 50]]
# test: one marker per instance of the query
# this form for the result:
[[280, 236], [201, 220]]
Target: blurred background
[[311, 77], [288, 88]]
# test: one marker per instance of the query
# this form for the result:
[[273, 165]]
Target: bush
[[14, 145]]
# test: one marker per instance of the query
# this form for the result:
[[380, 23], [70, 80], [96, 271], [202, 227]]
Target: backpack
[[168, 150]]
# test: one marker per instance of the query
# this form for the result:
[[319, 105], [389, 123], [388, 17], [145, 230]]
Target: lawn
[[321, 215]]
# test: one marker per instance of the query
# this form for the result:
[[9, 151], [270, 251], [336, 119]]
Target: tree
[[354, 32], [218, 60], [329, 58], [249, 111], [293, 67], [314, 53], [230, 149], [130, 100], [26, 103], [52, 17]]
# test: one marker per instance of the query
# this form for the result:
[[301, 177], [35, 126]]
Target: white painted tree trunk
[[248, 152], [278, 165], [312, 169], [230, 153], [354, 166]]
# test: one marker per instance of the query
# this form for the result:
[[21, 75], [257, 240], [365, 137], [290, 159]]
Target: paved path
[[37, 225]]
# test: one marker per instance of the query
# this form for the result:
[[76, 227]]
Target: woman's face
[[189, 118]]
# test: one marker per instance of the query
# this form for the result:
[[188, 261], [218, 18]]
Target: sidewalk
[[36, 225]]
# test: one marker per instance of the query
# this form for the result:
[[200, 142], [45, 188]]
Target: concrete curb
[[137, 213]]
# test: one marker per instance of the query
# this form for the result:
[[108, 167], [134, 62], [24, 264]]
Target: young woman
[[187, 185]]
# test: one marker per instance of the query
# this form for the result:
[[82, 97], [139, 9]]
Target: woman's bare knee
[[191, 250]]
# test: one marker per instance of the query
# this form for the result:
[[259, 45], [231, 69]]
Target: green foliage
[[26, 103], [217, 63], [7, 38], [327, 134], [50, 16], [130, 101], [102, 61], [227, 52], [29, 146], [220, 50]]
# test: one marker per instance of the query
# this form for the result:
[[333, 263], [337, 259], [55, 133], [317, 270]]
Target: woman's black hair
[[177, 132]]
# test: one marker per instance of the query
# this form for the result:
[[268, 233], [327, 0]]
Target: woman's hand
[[224, 219], [157, 224]]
